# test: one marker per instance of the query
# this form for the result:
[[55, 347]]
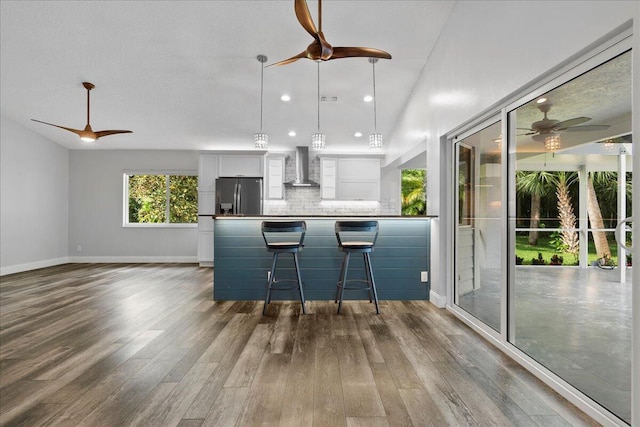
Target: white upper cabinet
[[358, 179], [240, 165], [275, 177], [328, 178], [207, 172]]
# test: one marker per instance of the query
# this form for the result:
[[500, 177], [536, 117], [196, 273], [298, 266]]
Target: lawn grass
[[527, 252]]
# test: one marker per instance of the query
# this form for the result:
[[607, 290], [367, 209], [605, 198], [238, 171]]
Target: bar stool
[[277, 236], [354, 230]]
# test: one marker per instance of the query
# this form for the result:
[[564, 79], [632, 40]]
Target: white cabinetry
[[358, 179], [240, 165], [328, 178], [275, 177], [207, 174]]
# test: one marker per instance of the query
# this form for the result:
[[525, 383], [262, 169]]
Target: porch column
[[622, 212]]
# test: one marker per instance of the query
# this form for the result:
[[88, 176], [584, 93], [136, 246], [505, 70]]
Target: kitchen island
[[242, 262]]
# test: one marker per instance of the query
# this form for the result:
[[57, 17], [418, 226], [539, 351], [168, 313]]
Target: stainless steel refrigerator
[[239, 196]]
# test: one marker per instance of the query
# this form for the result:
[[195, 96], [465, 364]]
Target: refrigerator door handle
[[237, 208]]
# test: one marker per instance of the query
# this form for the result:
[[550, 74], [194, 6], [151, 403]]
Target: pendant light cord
[[318, 96], [261, 93], [375, 113]]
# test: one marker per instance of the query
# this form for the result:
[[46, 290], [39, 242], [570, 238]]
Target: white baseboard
[[132, 259], [12, 269], [437, 300]]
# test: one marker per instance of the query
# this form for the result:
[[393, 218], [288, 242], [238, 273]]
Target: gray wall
[[96, 208], [34, 199]]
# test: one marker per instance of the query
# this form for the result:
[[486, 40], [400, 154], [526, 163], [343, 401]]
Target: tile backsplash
[[307, 201]]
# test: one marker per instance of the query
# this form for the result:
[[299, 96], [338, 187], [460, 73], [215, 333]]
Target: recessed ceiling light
[[357, 134], [368, 98], [285, 98], [292, 133], [541, 100]]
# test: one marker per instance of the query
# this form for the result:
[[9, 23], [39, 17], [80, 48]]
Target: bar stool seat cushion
[[284, 246], [357, 245]]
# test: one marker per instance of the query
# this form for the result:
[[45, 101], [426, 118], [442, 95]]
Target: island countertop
[[241, 261]]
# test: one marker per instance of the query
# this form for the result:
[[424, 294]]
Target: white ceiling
[[184, 74]]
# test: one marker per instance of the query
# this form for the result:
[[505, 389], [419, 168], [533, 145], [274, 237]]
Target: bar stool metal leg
[[270, 282], [295, 260], [344, 258], [343, 280], [368, 277], [372, 283]]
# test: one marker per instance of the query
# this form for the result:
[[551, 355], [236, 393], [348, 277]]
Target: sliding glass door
[[540, 192], [570, 184], [478, 227]]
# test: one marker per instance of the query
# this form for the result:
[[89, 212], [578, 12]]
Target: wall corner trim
[[437, 300]]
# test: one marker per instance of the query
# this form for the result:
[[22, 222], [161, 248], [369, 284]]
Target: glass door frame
[[470, 319], [608, 47]]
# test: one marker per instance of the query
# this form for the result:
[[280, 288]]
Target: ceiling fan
[[320, 49], [87, 134], [545, 127]]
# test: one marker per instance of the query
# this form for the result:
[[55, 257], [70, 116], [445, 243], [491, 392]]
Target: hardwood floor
[[144, 344]]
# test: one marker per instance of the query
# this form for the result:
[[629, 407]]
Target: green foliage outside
[[414, 201], [148, 199], [538, 195], [545, 247], [183, 199]]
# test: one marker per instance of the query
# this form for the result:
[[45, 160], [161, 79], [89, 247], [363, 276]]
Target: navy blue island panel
[[241, 261]]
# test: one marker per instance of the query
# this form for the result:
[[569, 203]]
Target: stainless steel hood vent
[[302, 169]]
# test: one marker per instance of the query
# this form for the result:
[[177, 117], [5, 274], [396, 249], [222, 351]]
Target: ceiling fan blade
[[290, 60], [76, 131], [587, 128], [102, 133], [571, 122], [367, 52], [304, 17]]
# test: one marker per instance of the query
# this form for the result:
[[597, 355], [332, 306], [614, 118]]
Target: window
[[160, 199], [414, 183]]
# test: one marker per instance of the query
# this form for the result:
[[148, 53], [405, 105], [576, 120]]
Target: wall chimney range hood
[[302, 169]]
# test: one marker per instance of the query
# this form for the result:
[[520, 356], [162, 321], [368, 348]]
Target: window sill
[[144, 225]]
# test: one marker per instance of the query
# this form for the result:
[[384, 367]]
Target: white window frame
[[125, 198]]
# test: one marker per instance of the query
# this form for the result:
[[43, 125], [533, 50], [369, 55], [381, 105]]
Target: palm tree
[[570, 240], [536, 184], [595, 220], [413, 192], [606, 187]]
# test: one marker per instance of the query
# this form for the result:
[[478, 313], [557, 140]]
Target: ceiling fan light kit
[[261, 139], [87, 134], [552, 142]]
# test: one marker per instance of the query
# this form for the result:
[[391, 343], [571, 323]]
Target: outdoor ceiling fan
[[541, 129], [87, 134], [320, 49]]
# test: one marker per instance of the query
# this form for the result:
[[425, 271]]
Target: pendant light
[[318, 140], [375, 139], [261, 139]]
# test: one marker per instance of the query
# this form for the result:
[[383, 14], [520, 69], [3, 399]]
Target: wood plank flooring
[[144, 345]]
